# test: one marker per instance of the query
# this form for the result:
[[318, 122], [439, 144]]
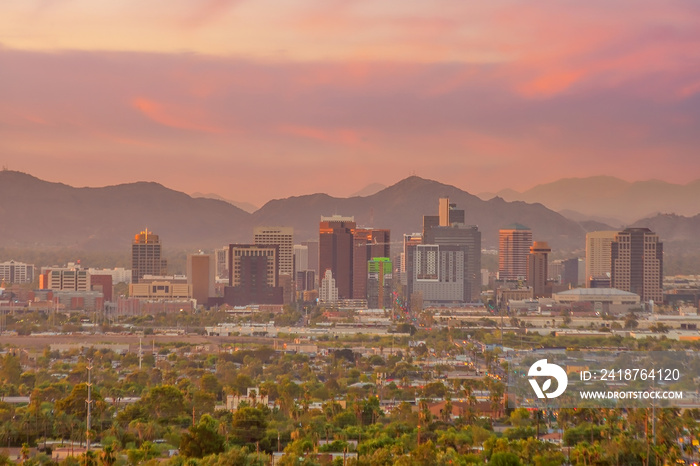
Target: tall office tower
[[282, 237], [573, 271], [448, 214], [430, 221], [537, 269], [328, 292], [313, 254], [301, 258], [16, 272], [222, 263], [637, 260], [444, 212], [305, 280], [450, 230], [368, 243], [146, 256], [408, 240], [379, 283], [598, 265], [514, 243], [437, 273], [253, 275], [201, 274], [469, 238], [336, 239]]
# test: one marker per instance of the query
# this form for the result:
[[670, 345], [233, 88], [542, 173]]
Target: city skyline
[[214, 96]]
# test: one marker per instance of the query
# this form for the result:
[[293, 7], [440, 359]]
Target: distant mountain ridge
[[247, 206], [37, 213], [604, 198]]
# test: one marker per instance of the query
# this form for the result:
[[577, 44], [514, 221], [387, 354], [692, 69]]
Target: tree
[[202, 439], [504, 459], [164, 402], [249, 425], [108, 457]]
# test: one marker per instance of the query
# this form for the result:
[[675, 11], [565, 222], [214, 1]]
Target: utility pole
[[89, 403], [140, 353]]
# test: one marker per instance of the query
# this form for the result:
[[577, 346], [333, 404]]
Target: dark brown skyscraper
[[537, 269], [638, 263], [253, 275], [146, 256], [336, 239]]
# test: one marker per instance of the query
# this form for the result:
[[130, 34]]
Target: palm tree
[[108, 456]]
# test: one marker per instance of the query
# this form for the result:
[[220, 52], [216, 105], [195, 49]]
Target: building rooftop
[[595, 292]]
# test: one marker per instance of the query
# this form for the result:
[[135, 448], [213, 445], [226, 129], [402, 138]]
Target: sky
[[262, 99]]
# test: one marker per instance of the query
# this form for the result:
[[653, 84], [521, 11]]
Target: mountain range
[[37, 213], [610, 200]]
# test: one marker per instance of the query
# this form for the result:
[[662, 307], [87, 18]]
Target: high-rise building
[[437, 273], [537, 269], [146, 256], [469, 238], [283, 237], [637, 263], [598, 258], [336, 240], [379, 283], [450, 230], [313, 248], [408, 240], [201, 274], [16, 272], [368, 243], [573, 272], [328, 292], [222, 263], [301, 258], [514, 243], [253, 275]]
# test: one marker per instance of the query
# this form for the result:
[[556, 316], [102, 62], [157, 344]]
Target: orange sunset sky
[[259, 99]]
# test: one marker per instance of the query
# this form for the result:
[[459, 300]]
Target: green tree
[[202, 439], [249, 425]]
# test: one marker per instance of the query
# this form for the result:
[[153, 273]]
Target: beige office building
[[514, 243], [598, 264], [283, 238]]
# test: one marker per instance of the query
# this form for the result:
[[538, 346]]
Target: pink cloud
[[173, 116]]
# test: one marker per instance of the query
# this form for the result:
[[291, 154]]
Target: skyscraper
[[146, 256], [598, 258], [537, 269], [514, 243], [253, 275], [437, 273], [637, 263], [368, 243], [328, 292], [450, 230], [469, 238], [336, 241], [379, 283], [201, 274], [282, 237]]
